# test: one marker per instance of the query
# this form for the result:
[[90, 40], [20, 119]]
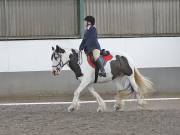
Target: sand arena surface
[[54, 120]]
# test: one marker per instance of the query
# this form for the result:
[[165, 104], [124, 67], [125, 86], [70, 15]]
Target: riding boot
[[100, 64]]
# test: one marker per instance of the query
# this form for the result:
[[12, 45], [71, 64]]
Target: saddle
[[105, 54], [106, 57], [120, 66]]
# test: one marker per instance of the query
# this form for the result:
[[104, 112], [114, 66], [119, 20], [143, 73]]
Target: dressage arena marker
[[83, 102]]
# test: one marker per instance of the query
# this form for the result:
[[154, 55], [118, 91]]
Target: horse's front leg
[[75, 104], [100, 101]]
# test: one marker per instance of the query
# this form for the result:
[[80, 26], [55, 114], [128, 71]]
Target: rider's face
[[86, 24]]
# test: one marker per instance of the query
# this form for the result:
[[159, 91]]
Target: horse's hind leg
[[122, 92], [100, 101], [138, 93], [119, 103]]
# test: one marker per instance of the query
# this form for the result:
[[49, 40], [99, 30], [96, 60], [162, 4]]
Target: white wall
[[34, 55]]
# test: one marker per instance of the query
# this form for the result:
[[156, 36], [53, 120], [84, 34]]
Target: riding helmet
[[90, 19]]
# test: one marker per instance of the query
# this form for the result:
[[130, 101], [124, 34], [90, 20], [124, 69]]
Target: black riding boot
[[100, 64]]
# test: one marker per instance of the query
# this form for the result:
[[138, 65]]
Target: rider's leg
[[99, 62], [96, 54]]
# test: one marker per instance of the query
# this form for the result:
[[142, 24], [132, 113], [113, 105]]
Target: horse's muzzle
[[55, 73]]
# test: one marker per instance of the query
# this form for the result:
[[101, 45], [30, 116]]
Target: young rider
[[90, 44]]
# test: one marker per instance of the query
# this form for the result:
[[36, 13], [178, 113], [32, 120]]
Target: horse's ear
[[52, 48], [57, 48], [73, 51], [61, 50]]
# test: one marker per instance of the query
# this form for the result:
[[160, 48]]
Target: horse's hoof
[[100, 109], [71, 109], [142, 102], [117, 108], [142, 107]]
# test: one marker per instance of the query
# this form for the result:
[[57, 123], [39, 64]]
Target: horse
[[135, 82]]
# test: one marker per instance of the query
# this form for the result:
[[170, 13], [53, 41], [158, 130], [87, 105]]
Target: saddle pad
[[91, 62]]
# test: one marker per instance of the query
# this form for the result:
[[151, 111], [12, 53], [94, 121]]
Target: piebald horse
[[137, 83]]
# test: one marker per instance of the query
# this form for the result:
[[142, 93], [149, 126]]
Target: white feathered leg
[[100, 101], [123, 90], [75, 104], [141, 102], [119, 104]]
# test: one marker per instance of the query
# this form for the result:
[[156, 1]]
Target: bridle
[[80, 60], [60, 63]]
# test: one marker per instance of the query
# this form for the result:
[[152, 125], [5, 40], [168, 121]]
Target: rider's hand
[[80, 49]]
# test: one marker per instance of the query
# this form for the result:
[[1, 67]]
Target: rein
[[61, 64], [80, 60]]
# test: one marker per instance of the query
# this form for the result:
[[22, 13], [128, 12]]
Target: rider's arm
[[81, 47]]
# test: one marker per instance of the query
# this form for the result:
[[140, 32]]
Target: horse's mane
[[70, 49]]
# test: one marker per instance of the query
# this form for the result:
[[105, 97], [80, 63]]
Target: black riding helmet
[[90, 19]]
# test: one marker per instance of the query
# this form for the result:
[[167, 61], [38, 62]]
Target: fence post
[[6, 19], [81, 17]]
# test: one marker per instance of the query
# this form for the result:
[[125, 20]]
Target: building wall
[[34, 55], [37, 19], [135, 17]]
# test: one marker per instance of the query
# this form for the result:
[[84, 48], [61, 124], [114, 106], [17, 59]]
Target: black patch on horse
[[59, 49], [120, 66], [73, 64]]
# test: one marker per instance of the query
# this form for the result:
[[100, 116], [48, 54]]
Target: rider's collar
[[88, 27]]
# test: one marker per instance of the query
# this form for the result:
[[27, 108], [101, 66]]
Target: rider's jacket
[[90, 41]]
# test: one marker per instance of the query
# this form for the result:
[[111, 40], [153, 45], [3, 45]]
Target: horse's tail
[[145, 85]]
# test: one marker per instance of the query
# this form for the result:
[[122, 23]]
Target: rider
[[90, 44]]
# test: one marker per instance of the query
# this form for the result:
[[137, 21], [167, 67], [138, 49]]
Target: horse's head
[[59, 59]]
